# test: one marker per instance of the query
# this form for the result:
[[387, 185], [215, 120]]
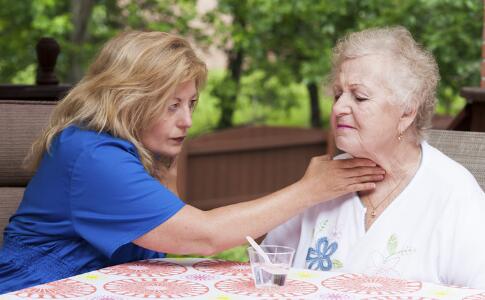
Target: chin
[[345, 144], [353, 149], [171, 152]]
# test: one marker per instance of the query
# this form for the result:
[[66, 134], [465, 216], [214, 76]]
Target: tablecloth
[[200, 278]]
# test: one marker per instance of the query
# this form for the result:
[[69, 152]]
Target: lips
[[179, 139], [344, 126]]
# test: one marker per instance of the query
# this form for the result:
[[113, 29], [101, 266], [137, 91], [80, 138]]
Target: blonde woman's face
[[167, 134], [365, 119]]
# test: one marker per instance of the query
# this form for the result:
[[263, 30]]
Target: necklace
[[374, 208]]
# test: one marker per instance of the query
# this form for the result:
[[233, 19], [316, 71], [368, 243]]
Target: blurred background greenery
[[275, 52]]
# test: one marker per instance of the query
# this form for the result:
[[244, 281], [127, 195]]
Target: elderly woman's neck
[[399, 160]]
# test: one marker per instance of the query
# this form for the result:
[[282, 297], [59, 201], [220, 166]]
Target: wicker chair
[[467, 148], [20, 123]]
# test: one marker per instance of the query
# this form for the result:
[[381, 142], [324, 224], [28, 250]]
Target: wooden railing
[[472, 117], [240, 164]]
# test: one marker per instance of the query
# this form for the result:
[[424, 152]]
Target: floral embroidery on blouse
[[385, 264], [318, 258]]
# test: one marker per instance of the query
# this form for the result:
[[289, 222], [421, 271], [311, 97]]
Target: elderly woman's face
[[365, 120]]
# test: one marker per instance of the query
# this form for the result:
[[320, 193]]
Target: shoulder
[[75, 143], [445, 171], [451, 186]]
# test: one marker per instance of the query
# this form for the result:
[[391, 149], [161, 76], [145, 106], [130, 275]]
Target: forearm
[[193, 231], [228, 226], [204, 232]]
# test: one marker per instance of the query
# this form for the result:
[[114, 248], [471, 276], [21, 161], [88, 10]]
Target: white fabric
[[433, 231]]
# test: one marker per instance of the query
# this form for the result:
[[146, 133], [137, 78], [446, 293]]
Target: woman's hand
[[326, 179]]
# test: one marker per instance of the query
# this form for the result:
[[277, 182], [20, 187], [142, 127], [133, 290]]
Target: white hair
[[414, 78]]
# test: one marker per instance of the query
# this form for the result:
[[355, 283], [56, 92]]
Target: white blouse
[[433, 231]]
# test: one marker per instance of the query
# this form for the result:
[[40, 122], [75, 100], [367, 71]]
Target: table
[[199, 278]]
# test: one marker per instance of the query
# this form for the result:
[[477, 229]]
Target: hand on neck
[[401, 161]]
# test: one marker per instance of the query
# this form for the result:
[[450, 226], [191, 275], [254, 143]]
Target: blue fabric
[[89, 199]]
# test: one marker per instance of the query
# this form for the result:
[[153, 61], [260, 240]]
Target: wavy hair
[[415, 77], [125, 90]]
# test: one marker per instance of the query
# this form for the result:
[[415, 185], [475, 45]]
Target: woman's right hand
[[192, 230], [326, 179]]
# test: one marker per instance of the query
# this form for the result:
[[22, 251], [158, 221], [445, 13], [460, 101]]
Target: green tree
[[232, 37], [450, 29], [80, 27], [22, 24], [292, 40], [296, 38]]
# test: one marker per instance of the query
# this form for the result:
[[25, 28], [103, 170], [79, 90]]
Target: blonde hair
[[125, 90], [415, 78]]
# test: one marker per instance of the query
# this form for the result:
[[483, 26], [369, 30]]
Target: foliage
[[23, 23], [450, 29], [260, 102], [283, 45], [291, 41], [235, 254], [238, 253]]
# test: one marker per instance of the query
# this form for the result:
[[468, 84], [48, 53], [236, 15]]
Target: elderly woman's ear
[[407, 118]]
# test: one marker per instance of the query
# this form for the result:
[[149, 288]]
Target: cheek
[[380, 131], [157, 132], [333, 119]]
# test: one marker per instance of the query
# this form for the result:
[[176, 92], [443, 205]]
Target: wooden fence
[[240, 164]]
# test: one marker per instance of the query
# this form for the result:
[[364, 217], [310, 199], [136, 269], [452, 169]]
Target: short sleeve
[[114, 200]]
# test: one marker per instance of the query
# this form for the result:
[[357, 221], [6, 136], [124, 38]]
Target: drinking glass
[[274, 273]]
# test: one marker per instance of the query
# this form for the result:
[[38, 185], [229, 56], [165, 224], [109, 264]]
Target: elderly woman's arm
[[206, 232]]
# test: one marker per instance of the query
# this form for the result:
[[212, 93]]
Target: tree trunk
[[81, 12], [235, 65], [315, 115], [228, 103]]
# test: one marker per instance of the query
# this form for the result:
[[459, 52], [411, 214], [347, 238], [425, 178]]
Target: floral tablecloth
[[198, 278]]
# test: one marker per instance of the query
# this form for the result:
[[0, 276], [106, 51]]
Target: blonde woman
[[425, 220], [96, 198]]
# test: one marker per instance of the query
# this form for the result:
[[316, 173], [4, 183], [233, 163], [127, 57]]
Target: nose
[[341, 106], [185, 119]]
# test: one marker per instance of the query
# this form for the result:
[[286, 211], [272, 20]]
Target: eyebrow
[[194, 97], [357, 85]]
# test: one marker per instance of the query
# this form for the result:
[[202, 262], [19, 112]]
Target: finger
[[362, 171], [322, 157], [361, 187], [368, 178], [357, 162]]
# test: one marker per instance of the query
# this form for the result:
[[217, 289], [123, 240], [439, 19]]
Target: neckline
[[397, 199]]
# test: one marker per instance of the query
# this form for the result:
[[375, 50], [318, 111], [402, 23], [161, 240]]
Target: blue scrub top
[[89, 199]]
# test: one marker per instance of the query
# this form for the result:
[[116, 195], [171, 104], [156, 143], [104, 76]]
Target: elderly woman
[[424, 221]]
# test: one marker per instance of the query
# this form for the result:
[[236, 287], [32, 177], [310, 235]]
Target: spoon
[[259, 250]]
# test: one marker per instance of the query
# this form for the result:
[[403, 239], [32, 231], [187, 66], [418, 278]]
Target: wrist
[[302, 191]]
